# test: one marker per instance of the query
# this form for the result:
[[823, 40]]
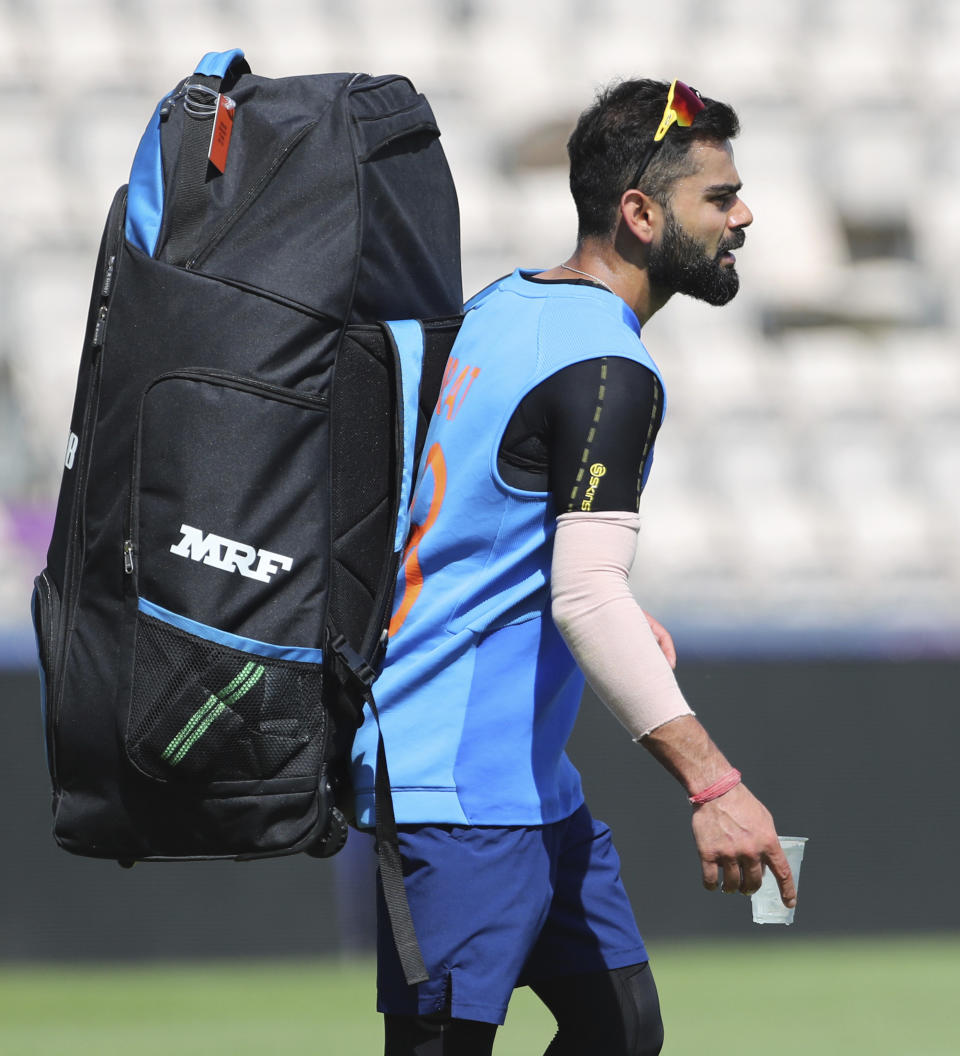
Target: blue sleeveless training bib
[[479, 692]]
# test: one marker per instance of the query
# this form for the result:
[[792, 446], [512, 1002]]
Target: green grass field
[[781, 994]]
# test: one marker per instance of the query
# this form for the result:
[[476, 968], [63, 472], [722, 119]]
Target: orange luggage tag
[[222, 130]]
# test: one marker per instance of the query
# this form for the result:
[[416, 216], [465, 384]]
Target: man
[[515, 581]]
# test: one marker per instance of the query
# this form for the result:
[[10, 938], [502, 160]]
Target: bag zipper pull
[[128, 556], [108, 277], [100, 327]]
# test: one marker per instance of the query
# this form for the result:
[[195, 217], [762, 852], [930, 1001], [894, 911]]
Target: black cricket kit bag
[[238, 469]]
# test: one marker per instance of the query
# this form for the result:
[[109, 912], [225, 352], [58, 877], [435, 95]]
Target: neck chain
[[587, 275]]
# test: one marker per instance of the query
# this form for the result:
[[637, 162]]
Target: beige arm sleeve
[[604, 626]]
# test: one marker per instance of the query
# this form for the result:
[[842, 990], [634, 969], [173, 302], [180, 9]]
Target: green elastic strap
[[210, 711]]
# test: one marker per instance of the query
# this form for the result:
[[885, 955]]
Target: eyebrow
[[722, 189]]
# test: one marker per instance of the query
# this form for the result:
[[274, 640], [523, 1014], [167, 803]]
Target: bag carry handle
[[227, 66], [374, 133]]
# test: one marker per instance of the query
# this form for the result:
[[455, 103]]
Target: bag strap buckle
[[358, 668]]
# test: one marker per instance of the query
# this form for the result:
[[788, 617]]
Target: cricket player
[[514, 588]]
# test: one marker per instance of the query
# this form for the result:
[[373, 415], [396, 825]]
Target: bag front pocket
[[206, 707], [228, 550]]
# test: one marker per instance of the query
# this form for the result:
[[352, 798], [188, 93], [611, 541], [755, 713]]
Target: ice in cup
[[767, 907]]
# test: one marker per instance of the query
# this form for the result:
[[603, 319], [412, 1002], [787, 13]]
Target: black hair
[[613, 135]]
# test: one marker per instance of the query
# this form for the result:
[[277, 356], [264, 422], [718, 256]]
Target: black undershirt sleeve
[[585, 435]]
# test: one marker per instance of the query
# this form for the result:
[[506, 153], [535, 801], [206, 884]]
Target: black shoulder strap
[[362, 675], [438, 338], [189, 199], [391, 869], [427, 354]]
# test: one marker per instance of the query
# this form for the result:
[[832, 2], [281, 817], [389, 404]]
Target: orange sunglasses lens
[[683, 105]]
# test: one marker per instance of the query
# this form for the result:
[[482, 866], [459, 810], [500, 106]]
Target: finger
[[711, 874], [751, 870], [731, 877], [780, 867], [664, 639], [668, 649]]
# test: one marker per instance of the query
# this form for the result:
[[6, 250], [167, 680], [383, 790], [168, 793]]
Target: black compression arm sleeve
[[585, 435]]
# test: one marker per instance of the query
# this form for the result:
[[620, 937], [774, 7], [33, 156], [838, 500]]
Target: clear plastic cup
[[767, 907]]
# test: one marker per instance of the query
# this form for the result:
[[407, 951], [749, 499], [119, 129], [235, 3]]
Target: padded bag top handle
[[226, 66]]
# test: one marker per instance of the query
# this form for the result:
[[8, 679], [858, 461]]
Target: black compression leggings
[[615, 1013]]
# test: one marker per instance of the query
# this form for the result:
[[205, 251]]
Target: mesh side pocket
[[201, 711]]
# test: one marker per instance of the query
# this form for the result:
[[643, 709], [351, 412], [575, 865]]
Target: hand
[[664, 640], [735, 838]]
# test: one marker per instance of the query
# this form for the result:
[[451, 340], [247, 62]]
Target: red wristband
[[717, 789]]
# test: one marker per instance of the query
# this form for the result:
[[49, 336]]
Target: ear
[[640, 215]]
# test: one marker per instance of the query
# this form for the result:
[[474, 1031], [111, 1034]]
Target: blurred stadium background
[[806, 488], [802, 528]]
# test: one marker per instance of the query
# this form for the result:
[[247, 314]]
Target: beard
[[680, 264]]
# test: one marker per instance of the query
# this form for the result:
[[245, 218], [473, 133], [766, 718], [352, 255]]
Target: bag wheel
[[333, 837]]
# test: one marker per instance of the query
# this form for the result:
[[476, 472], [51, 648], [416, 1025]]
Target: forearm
[[604, 627], [609, 636], [734, 832], [685, 749]]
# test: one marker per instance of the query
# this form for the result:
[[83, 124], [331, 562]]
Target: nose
[[740, 215]]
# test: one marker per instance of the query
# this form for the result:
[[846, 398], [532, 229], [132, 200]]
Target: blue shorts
[[496, 908]]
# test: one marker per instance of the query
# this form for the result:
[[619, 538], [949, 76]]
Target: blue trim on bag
[[216, 63], [408, 335], [231, 641], [145, 189]]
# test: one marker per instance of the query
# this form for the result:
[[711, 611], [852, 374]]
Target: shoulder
[[583, 330], [515, 282]]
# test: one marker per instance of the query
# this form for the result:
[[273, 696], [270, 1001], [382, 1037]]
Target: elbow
[[561, 612]]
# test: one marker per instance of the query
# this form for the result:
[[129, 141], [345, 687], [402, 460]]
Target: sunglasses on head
[[683, 105]]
